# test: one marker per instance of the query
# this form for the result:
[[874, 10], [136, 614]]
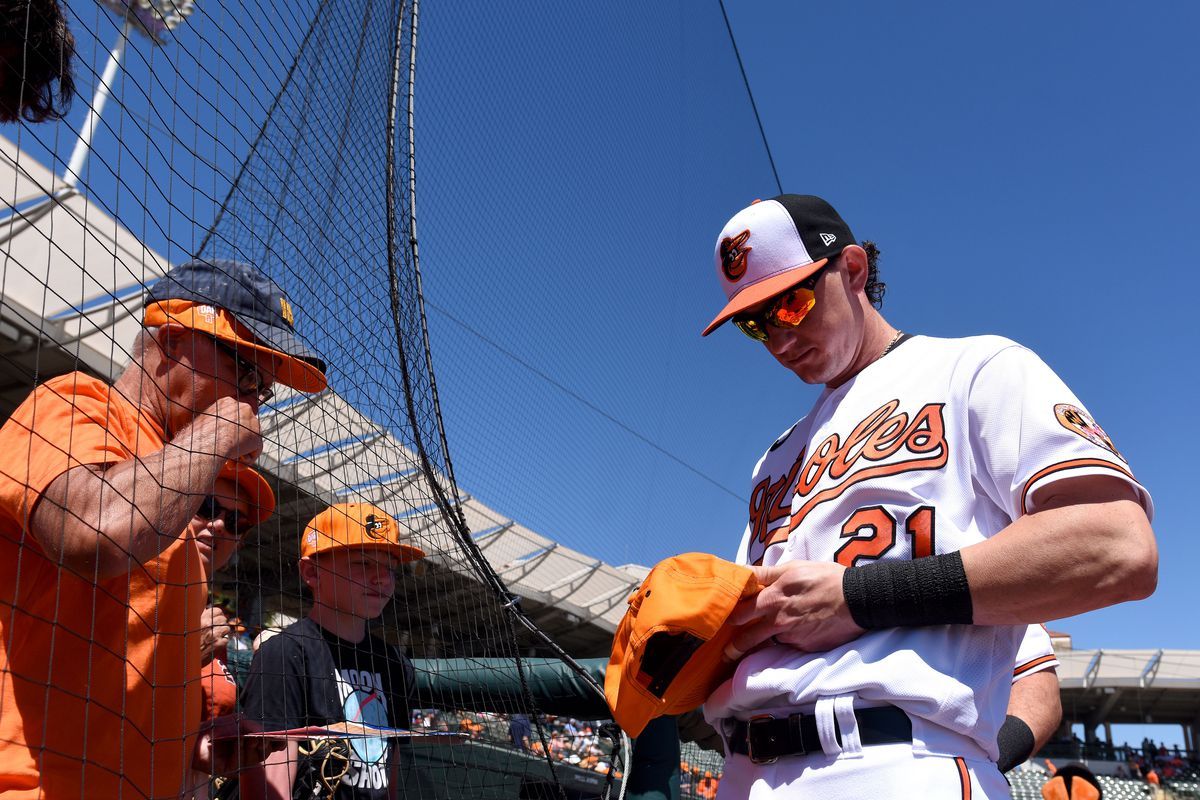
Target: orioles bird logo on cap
[[733, 255], [376, 528]]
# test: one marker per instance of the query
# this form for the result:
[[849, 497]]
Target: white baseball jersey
[[936, 446]]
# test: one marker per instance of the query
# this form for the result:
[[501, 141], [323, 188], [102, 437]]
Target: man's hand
[[801, 604], [228, 428], [221, 749], [214, 631]]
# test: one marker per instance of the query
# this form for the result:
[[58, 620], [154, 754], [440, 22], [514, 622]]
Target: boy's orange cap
[[357, 526], [668, 652]]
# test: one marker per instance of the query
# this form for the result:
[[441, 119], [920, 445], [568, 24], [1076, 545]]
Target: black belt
[[767, 738]]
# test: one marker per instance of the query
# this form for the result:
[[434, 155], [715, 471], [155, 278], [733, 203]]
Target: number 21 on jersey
[[873, 532]]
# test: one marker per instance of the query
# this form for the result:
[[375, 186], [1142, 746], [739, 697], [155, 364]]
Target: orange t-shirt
[[99, 682]]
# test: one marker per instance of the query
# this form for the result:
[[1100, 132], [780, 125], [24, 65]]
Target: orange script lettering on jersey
[[887, 442]]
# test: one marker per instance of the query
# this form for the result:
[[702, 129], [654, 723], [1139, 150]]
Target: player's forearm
[[1061, 561], [1036, 701], [99, 522]]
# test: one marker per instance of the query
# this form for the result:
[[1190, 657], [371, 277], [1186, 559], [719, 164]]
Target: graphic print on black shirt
[[308, 676]]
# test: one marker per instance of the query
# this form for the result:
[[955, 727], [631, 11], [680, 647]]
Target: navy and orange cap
[[771, 245], [668, 652], [239, 304]]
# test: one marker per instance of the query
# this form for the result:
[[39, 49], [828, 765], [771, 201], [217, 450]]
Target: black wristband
[[1015, 741], [893, 594]]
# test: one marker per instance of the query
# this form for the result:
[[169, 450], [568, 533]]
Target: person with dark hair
[[939, 498], [36, 51], [102, 578]]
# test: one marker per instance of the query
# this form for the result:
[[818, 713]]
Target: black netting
[[304, 158]]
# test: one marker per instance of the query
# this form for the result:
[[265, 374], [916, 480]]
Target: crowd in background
[[570, 741]]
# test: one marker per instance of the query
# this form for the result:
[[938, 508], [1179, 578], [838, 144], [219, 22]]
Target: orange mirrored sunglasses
[[786, 310]]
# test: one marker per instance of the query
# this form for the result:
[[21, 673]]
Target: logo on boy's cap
[[733, 255], [312, 538], [376, 527]]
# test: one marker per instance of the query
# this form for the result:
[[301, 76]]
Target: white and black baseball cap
[[771, 245]]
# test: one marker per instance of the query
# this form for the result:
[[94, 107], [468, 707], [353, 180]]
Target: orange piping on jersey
[[964, 777], [1028, 665], [1064, 465]]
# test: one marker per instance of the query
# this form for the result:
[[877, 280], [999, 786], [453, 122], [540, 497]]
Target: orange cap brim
[[404, 552], [765, 289], [220, 324], [258, 491]]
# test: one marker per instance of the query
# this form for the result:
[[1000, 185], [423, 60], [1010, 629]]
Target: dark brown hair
[[875, 288], [36, 50]]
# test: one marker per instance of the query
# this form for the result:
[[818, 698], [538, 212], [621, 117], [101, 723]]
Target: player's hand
[[801, 604], [228, 428], [214, 631], [221, 749]]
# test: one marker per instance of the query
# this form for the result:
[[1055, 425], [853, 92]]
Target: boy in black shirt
[[326, 668]]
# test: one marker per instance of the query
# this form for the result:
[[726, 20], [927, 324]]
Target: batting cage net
[[236, 560]]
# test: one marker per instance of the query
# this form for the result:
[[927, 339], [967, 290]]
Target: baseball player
[[939, 496]]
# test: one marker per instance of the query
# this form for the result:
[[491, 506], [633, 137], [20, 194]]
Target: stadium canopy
[[1131, 687], [73, 282]]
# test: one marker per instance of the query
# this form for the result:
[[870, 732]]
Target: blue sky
[[1025, 174], [1026, 171]]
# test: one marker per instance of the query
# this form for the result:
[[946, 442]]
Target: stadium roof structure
[[1130, 686], [73, 281]]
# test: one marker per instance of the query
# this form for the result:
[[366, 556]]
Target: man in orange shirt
[[101, 580]]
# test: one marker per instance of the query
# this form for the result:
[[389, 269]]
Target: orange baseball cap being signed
[[668, 652], [237, 303], [357, 526]]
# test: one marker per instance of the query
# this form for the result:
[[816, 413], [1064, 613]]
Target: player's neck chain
[[895, 341]]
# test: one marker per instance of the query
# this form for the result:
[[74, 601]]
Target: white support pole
[[83, 144]]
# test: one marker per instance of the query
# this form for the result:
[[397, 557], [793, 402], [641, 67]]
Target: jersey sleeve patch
[[1081, 423]]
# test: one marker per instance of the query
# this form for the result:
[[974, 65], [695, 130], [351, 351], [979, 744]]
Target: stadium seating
[[1027, 785]]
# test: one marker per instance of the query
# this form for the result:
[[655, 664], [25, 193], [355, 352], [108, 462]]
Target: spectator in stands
[[101, 582], [36, 50], [327, 668], [519, 731]]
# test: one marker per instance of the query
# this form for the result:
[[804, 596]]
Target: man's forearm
[[99, 521], [1090, 547]]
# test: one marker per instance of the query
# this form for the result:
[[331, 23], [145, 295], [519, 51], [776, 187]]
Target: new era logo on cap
[[828, 238]]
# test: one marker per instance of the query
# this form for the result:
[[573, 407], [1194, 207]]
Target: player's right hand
[[801, 604]]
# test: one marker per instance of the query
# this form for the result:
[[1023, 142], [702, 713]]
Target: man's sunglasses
[[786, 310], [235, 521], [249, 379]]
